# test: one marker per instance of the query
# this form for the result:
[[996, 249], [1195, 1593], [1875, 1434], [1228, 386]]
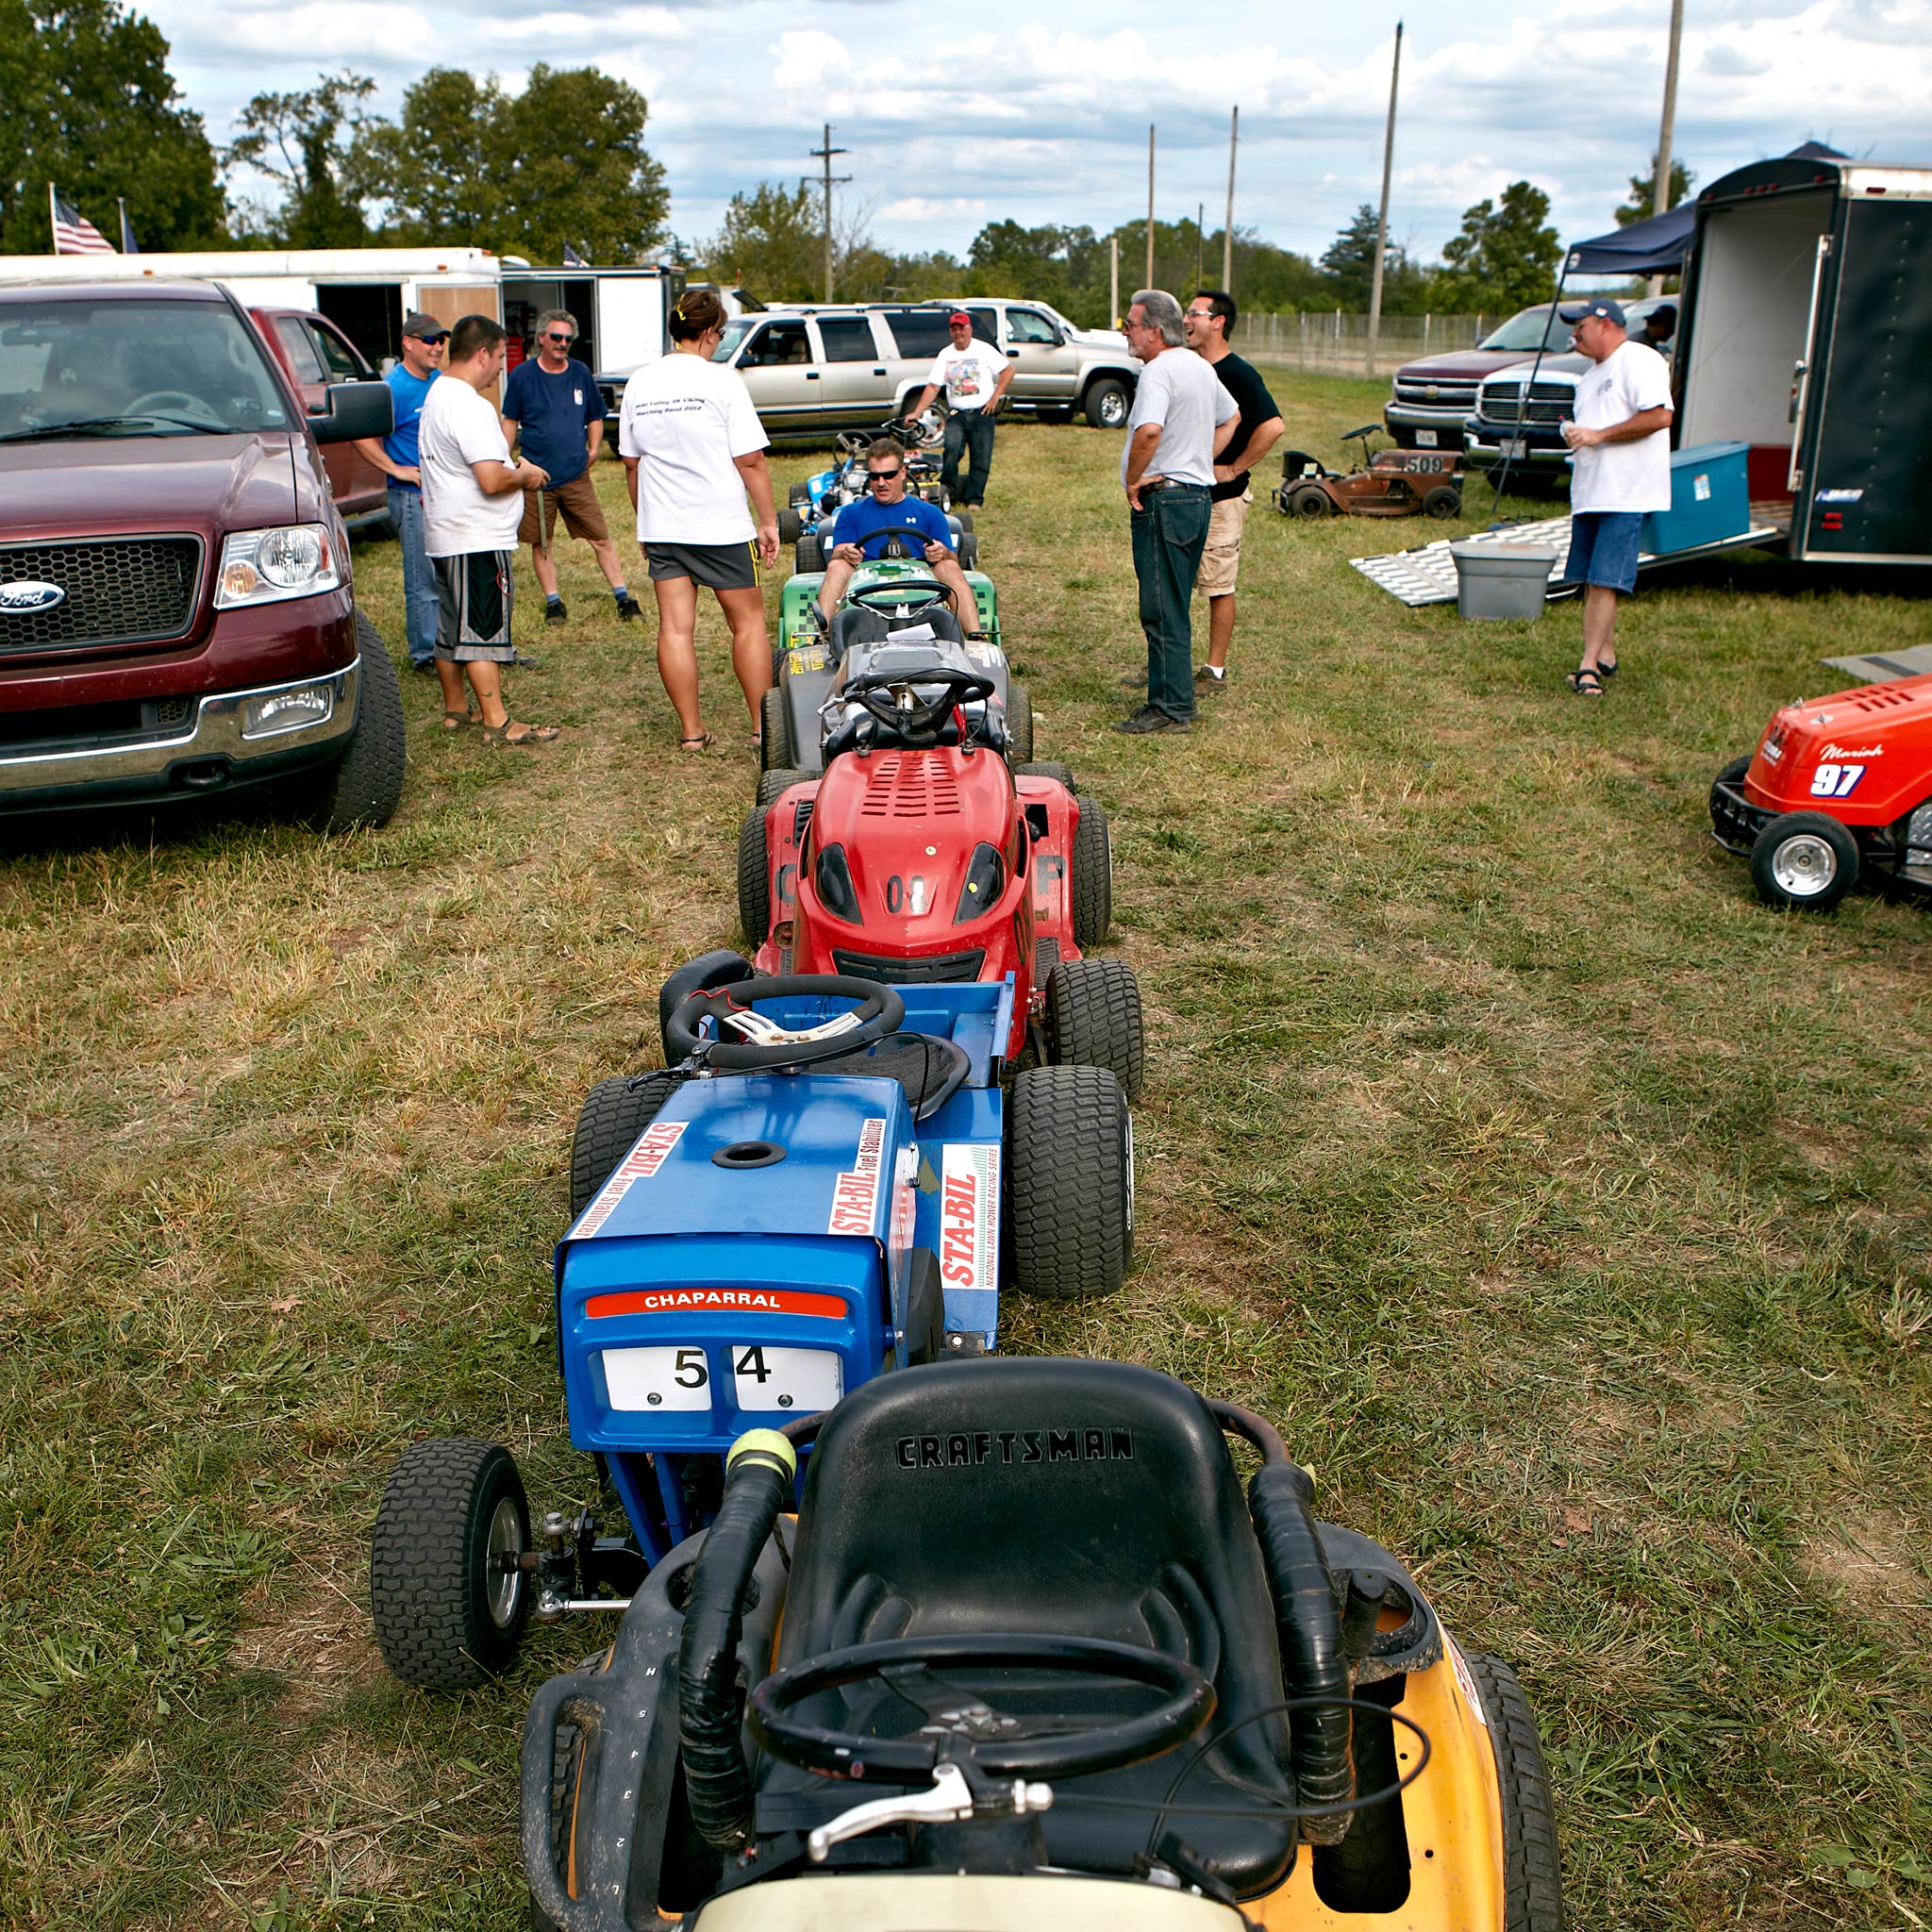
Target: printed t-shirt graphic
[[685, 420]]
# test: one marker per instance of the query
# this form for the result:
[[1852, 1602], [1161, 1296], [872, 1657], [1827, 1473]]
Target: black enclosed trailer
[[1807, 334]]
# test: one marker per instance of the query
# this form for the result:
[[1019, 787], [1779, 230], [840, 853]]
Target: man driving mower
[[887, 507]]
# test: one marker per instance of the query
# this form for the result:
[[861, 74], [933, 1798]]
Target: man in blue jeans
[[424, 337], [1182, 419]]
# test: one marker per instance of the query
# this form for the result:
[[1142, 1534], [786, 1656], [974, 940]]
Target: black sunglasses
[[884, 476], [551, 336], [433, 341]]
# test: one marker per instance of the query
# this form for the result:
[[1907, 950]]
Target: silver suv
[[815, 370]]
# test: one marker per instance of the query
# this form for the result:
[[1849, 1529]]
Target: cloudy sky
[[956, 115]]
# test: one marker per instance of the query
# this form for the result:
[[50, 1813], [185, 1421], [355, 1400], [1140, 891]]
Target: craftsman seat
[[1038, 1496]]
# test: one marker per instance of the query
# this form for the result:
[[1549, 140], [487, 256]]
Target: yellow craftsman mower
[[1025, 1659]]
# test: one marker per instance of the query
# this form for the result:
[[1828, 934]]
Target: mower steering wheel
[[962, 1725], [916, 592], [880, 1011], [916, 724], [901, 541]]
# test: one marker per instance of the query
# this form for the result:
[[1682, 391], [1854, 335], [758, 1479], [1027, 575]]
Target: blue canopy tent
[[1655, 247]]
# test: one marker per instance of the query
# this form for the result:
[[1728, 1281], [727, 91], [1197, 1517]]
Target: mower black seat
[[855, 624], [1108, 1492]]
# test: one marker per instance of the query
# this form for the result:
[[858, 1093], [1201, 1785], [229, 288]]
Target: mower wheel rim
[[505, 1580], [1805, 865]]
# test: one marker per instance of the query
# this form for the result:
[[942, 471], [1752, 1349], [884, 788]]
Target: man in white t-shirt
[[1182, 419], [473, 501], [1621, 440], [975, 378], [692, 448]]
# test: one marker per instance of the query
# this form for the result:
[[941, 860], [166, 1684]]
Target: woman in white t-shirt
[[693, 446]]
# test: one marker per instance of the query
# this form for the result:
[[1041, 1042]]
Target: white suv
[[814, 370]]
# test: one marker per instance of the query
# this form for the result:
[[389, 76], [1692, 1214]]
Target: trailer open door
[[1862, 455]]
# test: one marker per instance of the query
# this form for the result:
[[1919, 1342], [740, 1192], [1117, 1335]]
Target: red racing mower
[[1838, 786], [920, 855]]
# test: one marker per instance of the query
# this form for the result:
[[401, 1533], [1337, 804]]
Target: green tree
[[570, 153], [1349, 262], [1503, 260], [771, 242], [1643, 192], [87, 103], [302, 141], [434, 168]]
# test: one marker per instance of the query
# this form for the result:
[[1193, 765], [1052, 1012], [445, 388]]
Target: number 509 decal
[[1835, 781]]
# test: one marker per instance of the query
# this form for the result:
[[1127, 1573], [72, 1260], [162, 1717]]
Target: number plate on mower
[[795, 1381], [658, 1378]]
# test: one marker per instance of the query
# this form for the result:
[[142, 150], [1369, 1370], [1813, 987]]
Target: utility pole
[[1113, 281], [1234, 131], [1382, 220], [1660, 187], [825, 154], [1149, 282], [1200, 238]]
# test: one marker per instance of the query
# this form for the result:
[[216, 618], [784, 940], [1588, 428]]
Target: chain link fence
[[1337, 343]]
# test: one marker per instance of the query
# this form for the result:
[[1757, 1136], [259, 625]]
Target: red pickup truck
[[176, 611], [315, 355]]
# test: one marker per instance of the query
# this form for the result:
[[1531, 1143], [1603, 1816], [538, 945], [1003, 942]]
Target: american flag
[[73, 234]]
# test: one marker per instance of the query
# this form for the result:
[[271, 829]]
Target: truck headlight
[[267, 566]]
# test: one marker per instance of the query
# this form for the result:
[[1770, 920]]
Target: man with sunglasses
[[395, 454], [556, 412], [860, 526]]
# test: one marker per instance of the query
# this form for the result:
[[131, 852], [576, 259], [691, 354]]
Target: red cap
[[959, 315]]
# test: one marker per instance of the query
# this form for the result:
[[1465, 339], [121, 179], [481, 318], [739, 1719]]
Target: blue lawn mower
[[832, 1181]]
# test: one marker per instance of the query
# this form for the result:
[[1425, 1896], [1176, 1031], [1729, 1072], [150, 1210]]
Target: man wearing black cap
[[1622, 442], [395, 454], [975, 377]]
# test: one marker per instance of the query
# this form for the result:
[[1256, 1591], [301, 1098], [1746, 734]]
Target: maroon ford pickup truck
[[176, 612]]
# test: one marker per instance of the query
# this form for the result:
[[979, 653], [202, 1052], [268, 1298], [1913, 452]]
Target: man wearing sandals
[[473, 501], [1622, 442]]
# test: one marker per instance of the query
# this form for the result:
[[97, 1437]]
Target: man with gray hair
[[1182, 419], [556, 412]]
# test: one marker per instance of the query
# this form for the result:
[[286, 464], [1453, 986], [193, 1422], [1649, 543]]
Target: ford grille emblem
[[26, 597], [1432, 392]]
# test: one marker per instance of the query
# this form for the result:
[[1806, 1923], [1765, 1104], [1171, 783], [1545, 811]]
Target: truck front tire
[[363, 786]]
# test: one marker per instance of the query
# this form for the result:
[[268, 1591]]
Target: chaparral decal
[[684, 1301], [639, 1164], [855, 1193], [969, 1214]]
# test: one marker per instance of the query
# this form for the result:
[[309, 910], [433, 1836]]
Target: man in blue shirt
[[395, 454], [858, 531], [556, 414]]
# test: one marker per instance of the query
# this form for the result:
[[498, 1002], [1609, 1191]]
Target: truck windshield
[[1523, 331], [734, 332], [77, 368]]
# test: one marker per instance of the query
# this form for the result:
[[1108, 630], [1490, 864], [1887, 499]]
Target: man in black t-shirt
[[1210, 319]]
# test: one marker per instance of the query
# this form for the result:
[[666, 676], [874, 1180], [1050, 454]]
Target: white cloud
[[920, 208], [627, 23]]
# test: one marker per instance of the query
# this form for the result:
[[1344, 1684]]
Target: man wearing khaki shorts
[[1210, 319], [556, 414]]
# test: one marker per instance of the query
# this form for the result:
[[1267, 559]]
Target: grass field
[[1567, 1209]]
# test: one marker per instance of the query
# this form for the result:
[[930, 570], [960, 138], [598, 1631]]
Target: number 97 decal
[[1835, 781]]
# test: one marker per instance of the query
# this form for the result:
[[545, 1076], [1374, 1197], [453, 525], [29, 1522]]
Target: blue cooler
[[1711, 499]]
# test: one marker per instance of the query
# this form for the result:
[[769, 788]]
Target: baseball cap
[[425, 327], [1574, 312], [959, 315]]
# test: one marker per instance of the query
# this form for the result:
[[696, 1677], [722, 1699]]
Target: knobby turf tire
[[1047, 768], [614, 1113], [1093, 876], [1532, 1867], [811, 557], [428, 1573], [364, 786], [1069, 1182], [969, 551], [773, 785], [754, 879], [1093, 1019], [789, 526], [1019, 722], [1443, 503], [774, 731]]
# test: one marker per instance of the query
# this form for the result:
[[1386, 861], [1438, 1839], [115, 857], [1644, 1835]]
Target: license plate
[[1425, 438], [658, 1378], [1514, 446], [799, 1381]]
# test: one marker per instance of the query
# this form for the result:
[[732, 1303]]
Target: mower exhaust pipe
[[759, 1474], [1314, 1658]]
